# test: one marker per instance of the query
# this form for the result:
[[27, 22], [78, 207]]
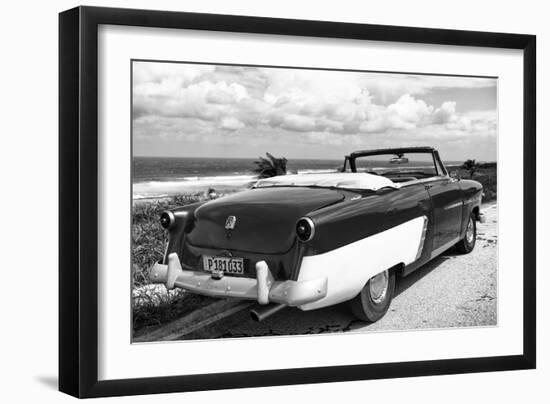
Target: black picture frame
[[78, 200]]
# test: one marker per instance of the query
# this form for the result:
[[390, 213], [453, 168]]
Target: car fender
[[348, 268]]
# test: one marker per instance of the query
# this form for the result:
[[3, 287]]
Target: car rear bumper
[[264, 289]]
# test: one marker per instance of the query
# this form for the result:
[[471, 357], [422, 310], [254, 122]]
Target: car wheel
[[468, 243], [375, 297]]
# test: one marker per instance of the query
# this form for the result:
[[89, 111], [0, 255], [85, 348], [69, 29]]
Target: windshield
[[402, 166]]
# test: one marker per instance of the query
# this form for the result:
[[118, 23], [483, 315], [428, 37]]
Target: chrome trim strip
[[444, 247], [422, 238], [423, 180], [453, 205]]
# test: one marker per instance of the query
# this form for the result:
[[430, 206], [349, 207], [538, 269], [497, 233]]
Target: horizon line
[[288, 158]]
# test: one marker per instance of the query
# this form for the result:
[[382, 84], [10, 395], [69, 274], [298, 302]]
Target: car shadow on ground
[[404, 283]]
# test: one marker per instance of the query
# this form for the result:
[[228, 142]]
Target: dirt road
[[451, 291]]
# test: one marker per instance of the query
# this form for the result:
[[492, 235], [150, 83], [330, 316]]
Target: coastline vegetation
[[153, 305], [484, 173], [270, 166]]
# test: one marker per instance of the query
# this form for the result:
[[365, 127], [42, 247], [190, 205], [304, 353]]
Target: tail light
[[305, 229], [167, 219]]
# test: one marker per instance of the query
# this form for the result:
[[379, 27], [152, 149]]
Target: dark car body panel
[[446, 196], [366, 216], [281, 265], [471, 196]]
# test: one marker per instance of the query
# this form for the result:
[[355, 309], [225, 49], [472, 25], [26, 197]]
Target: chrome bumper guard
[[264, 289]]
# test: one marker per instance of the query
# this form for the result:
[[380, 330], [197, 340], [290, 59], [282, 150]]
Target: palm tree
[[270, 166], [471, 166]]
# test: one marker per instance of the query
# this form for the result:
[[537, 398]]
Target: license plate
[[228, 265]]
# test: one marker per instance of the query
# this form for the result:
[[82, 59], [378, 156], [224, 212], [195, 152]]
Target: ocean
[[155, 177]]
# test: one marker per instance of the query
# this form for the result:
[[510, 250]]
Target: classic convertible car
[[315, 240]]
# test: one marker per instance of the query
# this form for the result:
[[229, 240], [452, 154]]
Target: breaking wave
[[158, 189], [194, 184]]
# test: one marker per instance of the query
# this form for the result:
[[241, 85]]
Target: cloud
[[156, 72], [386, 88], [231, 123], [358, 115], [211, 101], [446, 113], [222, 93], [207, 103]]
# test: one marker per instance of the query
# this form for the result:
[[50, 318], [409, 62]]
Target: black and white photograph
[[270, 201]]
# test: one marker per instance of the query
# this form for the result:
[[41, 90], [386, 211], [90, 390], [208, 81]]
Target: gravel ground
[[451, 291]]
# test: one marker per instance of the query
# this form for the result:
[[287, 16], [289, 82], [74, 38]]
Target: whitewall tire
[[375, 298]]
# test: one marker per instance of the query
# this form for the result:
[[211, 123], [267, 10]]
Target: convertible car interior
[[370, 170], [338, 180], [398, 165]]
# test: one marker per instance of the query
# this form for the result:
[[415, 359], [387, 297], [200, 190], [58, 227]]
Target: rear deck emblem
[[230, 222]]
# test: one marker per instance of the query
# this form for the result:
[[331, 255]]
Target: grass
[[148, 237], [153, 306]]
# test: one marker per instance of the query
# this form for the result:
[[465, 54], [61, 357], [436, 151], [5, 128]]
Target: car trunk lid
[[264, 218]]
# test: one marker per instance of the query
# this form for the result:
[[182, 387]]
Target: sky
[[199, 110]]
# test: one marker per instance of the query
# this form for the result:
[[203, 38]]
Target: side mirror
[[455, 175]]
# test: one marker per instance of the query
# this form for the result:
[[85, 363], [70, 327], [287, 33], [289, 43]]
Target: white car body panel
[[348, 268]]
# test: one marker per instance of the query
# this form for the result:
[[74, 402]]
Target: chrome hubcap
[[378, 286], [470, 232]]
